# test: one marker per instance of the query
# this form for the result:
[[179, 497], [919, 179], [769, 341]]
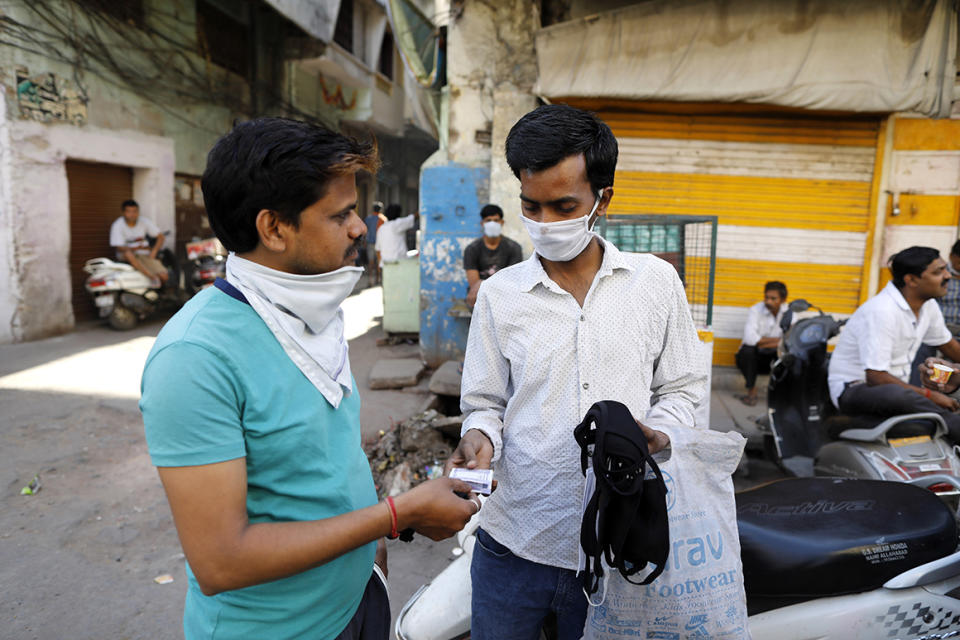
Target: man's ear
[[604, 201], [271, 231], [910, 280]]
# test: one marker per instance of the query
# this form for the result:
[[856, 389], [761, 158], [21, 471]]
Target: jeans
[[512, 596]]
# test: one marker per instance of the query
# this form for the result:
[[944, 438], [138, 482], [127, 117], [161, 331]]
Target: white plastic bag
[[700, 593]]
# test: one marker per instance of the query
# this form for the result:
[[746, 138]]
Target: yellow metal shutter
[[792, 194]]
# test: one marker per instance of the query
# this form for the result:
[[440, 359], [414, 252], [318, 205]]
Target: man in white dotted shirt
[[577, 323]]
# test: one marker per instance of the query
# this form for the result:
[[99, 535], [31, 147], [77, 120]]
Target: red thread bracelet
[[926, 392], [394, 534]]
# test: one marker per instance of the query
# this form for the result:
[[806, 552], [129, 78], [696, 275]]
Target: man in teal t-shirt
[[252, 415]]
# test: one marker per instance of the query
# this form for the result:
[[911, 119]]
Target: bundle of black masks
[[626, 519]]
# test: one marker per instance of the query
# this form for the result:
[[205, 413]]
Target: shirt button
[[582, 318], [586, 385]]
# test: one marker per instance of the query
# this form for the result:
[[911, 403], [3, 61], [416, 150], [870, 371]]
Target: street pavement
[[79, 559]]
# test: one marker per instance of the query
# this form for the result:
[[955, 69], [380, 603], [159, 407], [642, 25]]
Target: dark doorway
[[96, 191]]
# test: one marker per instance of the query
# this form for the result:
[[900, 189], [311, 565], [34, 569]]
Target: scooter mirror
[[798, 305]]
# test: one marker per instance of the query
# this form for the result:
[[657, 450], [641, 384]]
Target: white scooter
[[823, 559]]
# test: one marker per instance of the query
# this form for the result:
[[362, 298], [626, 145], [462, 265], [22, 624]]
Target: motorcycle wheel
[[122, 319]]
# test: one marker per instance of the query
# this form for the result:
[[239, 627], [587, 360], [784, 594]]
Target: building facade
[[105, 101], [821, 139]]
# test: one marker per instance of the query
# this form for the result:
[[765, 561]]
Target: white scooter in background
[[124, 296], [823, 558]]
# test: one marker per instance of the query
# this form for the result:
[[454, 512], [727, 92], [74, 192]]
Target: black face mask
[[626, 519]]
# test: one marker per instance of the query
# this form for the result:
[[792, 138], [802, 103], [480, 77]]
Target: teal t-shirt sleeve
[[191, 407]]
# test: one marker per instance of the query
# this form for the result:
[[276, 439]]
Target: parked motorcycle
[[808, 438], [124, 296], [207, 261], [823, 559]]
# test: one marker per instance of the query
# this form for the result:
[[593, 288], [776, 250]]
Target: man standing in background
[[391, 237], [373, 221]]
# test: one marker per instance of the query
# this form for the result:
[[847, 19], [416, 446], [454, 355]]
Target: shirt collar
[[534, 274], [892, 291]]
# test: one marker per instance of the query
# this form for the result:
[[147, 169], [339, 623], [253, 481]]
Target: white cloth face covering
[[564, 240], [492, 229], [303, 312]]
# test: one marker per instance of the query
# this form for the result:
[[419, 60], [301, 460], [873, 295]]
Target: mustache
[[357, 246]]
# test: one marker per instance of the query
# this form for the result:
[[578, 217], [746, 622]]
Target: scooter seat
[[813, 537], [836, 425]]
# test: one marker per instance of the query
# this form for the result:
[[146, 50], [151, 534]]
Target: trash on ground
[[32, 488], [165, 578], [409, 453], [457, 552]]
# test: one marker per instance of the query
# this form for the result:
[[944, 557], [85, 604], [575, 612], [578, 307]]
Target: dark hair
[[378, 206], [911, 261], [128, 203], [278, 164], [393, 211], [491, 210], [554, 132], [955, 249], [779, 287]]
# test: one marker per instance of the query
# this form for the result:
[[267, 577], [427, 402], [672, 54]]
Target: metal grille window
[[689, 243]]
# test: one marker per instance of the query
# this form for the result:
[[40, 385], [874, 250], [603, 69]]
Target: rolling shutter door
[[96, 191], [792, 195]]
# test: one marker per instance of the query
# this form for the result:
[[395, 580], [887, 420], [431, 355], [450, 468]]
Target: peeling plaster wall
[[9, 284], [491, 54], [38, 208], [510, 106], [491, 72]]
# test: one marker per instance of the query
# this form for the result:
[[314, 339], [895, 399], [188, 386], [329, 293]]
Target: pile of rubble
[[413, 451]]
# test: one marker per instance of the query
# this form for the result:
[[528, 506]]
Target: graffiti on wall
[[46, 98]]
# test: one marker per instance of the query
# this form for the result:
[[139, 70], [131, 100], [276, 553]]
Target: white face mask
[[564, 240], [492, 228], [303, 312]]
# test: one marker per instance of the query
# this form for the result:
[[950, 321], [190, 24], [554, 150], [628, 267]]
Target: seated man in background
[[871, 364], [485, 256], [950, 303], [128, 236], [761, 335]]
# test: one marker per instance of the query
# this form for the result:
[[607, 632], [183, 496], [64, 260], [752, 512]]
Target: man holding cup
[[870, 367]]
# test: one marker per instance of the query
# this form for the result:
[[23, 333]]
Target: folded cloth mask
[[625, 520]]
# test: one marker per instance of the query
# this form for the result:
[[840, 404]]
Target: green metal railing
[[689, 243]]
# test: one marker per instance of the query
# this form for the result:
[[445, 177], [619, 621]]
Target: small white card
[[480, 480]]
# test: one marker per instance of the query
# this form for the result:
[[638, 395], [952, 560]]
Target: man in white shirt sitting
[[576, 323], [391, 242], [870, 366], [761, 335], [128, 236]]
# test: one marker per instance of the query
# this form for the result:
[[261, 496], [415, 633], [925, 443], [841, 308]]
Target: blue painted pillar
[[450, 211]]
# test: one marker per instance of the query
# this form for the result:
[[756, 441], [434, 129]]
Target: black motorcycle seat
[[813, 537], [835, 425]]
